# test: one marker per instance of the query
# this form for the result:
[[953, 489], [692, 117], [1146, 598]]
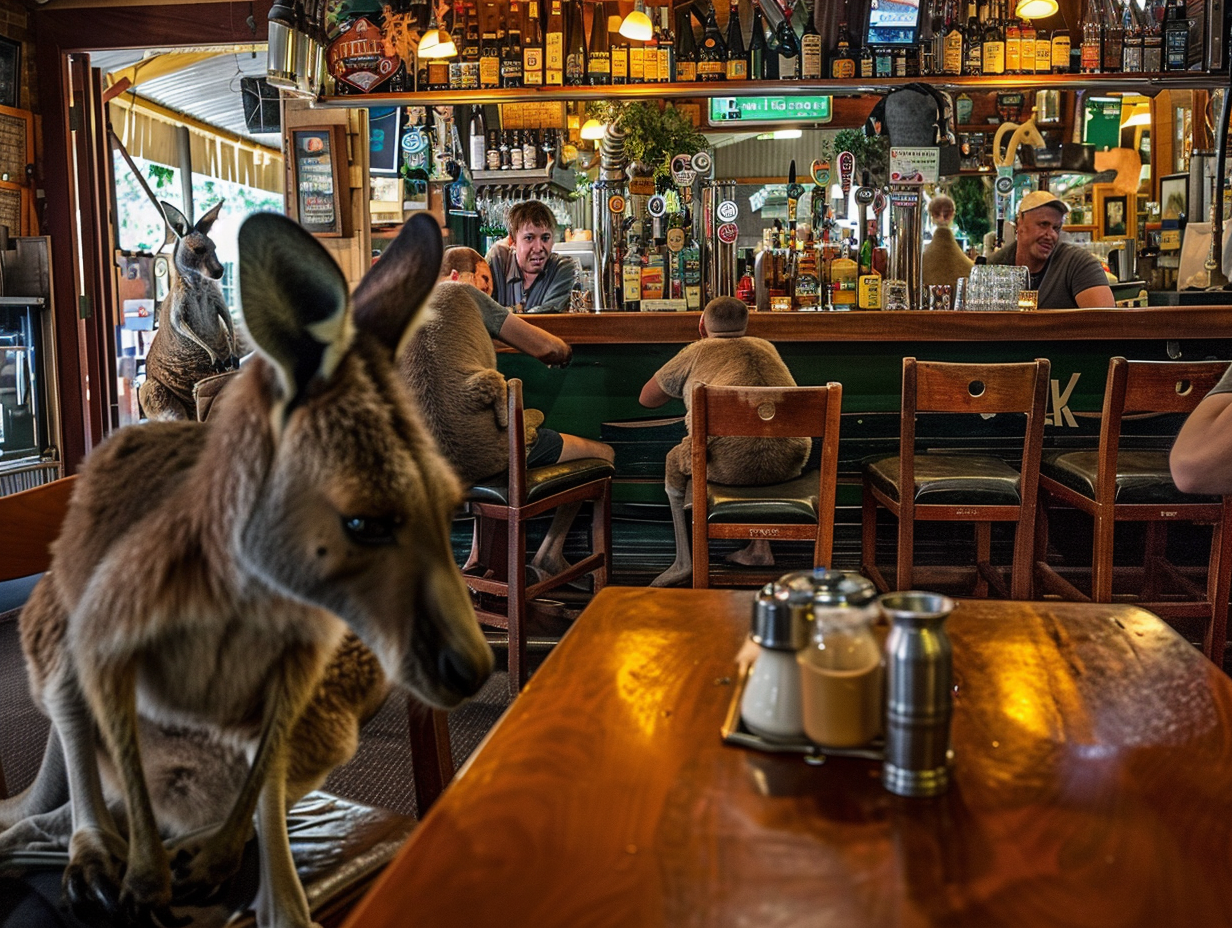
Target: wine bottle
[[973, 62], [737, 64], [489, 53], [952, 41], [842, 63], [618, 51], [992, 54], [532, 47], [530, 150], [712, 53], [511, 58], [1091, 35], [667, 48], [554, 47], [478, 140], [575, 46], [789, 50], [515, 150], [810, 49], [599, 57], [686, 54], [868, 63]]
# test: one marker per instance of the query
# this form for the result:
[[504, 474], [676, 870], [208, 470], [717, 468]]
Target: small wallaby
[[311, 501], [195, 336]]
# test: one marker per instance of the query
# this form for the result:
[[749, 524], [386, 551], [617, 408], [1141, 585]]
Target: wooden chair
[[504, 506], [801, 509], [960, 487], [1114, 484]]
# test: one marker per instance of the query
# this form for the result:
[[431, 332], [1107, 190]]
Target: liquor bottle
[[631, 277], [1114, 37], [1131, 54], [772, 56], [532, 47], [618, 51], [575, 47], [951, 41], [477, 138], [650, 58], [686, 53], [691, 272], [1061, 48], [737, 63], [516, 152], [493, 152], [438, 74], [1028, 34], [973, 58], [745, 288], [712, 53], [789, 50], [810, 50], [511, 57], [867, 63], [554, 47], [466, 65], [1013, 46], [1043, 51], [637, 62], [489, 53], [1176, 37], [1152, 38], [992, 52], [530, 150], [667, 48], [599, 57], [506, 157], [883, 61], [842, 62]]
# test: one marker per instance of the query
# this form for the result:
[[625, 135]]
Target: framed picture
[[384, 140], [10, 72], [1115, 213], [318, 169], [1173, 197]]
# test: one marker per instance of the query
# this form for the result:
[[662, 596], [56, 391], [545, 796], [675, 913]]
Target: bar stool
[[960, 487], [515, 498], [1112, 485], [799, 509]]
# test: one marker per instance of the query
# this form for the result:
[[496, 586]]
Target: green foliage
[[872, 152], [971, 197], [653, 135]]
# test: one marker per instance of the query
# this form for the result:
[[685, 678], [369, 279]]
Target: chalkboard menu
[[319, 154]]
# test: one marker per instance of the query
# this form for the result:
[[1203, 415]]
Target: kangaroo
[[195, 336], [312, 500]]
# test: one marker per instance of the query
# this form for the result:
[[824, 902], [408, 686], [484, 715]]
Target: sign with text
[[915, 165], [753, 110]]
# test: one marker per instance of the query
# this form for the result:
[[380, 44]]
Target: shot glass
[[896, 293], [1028, 301], [939, 296]]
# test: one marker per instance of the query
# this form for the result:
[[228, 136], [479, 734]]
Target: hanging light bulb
[[436, 42], [592, 130], [637, 25], [1036, 9]]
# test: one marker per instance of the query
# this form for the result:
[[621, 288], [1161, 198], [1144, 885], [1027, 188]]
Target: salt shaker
[[770, 706], [918, 694], [841, 668]]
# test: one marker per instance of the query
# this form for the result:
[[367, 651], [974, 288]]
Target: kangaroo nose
[[459, 673]]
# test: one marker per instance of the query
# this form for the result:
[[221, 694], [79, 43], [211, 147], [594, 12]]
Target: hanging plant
[[971, 197], [872, 152], [652, 135]]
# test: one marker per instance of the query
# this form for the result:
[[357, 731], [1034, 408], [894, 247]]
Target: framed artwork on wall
[[1173, 197], [1115, 213], [10, 72], [318, 168]]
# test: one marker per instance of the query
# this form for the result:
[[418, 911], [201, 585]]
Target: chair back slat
[[1169, 386], [975, 388], [517, 443], [763, 412], [30, 522]]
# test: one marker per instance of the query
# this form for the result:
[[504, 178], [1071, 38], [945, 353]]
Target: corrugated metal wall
[[761, 159]]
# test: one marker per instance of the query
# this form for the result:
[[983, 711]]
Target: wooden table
[[1092, 787]]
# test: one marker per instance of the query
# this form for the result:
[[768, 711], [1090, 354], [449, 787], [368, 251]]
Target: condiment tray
[[734, 731]]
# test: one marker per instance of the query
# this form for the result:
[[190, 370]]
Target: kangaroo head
[[194, 249], [355, 512]]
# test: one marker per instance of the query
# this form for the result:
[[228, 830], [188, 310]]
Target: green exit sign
[[730, 111]]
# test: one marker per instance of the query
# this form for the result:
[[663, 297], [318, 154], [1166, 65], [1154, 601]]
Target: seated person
[[527, 276], [450, 365], [466, 265], [1066, 276], [1201, 458], [943, 261], [724, 357]]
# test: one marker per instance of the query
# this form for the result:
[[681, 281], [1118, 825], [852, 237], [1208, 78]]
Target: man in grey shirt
[[527, 276], [1201, 459], [1066, 276]]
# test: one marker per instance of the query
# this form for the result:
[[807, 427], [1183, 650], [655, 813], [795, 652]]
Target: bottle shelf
[[565, 180], [1141, 83]]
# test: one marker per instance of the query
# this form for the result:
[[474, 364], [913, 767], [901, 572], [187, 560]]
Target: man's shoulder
[[1073, 257], [498, 252]]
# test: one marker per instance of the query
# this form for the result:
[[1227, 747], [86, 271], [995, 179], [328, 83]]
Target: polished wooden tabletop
[[1092, 787]]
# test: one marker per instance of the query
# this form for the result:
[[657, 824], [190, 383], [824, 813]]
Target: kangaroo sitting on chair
[[195, 336], [312, 500]]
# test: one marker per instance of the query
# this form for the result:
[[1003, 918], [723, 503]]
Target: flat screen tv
[[893, 22]]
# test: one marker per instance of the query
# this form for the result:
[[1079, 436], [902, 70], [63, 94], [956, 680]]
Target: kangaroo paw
[[202, 865], [92, 878]]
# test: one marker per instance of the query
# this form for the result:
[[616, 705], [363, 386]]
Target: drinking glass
[[896, 295], [1028, 300], [939, 295], [960, 293]]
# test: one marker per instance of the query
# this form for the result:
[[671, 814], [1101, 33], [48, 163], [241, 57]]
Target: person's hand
[[561, 357]]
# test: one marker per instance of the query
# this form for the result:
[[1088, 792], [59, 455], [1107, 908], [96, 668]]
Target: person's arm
[[1095, 298], [1201, 459], [534, 341], [556, 298], [653, 395], [669, 381]]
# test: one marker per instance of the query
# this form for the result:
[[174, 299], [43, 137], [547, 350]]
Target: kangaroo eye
[[370, 530]]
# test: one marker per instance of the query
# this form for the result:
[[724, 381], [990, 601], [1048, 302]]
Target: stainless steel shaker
[[918, 694]]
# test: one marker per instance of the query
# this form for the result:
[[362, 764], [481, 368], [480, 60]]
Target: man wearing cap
[[724, 357], [1065, 275]]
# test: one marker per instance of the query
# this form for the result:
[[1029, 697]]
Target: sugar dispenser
[[770, 706]]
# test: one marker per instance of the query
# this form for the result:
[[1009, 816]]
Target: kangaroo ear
[[207, 221], [177, 220], [294, 300], [392, 291]]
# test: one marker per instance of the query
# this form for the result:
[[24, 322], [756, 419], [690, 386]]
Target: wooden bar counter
[[1092, 788]]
